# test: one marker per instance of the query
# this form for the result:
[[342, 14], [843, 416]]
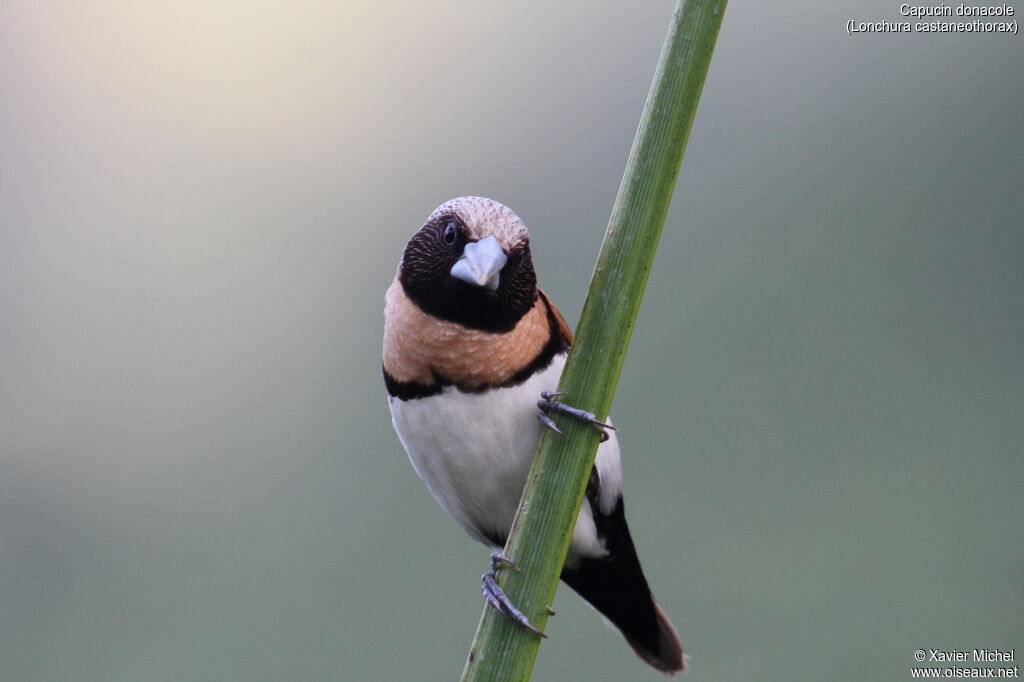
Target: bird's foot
[[547, 404], [497, 598]]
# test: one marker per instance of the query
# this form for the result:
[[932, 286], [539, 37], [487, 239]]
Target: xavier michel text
[[973, 655]]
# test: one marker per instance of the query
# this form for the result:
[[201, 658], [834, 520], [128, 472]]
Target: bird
[[470, 343]]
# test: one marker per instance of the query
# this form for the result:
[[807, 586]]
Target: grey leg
[[548, 404], [497, 598]]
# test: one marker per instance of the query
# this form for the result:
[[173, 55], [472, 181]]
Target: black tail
[[615, 585]]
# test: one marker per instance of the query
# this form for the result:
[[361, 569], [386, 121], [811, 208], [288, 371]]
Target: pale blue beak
[[480, 263]]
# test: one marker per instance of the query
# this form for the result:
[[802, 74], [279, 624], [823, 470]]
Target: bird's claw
[[547, 404], [549, 423], [497, 598]]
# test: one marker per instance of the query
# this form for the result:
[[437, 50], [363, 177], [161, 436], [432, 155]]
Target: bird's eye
[[515, 256], [451, 233]]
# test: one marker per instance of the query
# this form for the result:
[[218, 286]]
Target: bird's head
[[470, 263]]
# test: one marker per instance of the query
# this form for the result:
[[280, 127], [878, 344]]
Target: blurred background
[[201, 205]]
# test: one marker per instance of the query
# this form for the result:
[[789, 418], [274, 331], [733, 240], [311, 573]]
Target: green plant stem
[[502, 650]]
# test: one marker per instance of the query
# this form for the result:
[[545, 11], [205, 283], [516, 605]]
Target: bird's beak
[[480, 263]]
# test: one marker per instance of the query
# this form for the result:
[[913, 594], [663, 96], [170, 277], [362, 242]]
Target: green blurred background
[[201, 206]]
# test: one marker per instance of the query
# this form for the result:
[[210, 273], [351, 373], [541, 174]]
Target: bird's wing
[[563, 326]]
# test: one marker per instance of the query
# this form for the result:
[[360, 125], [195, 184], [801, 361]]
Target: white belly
[[473, 450]]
